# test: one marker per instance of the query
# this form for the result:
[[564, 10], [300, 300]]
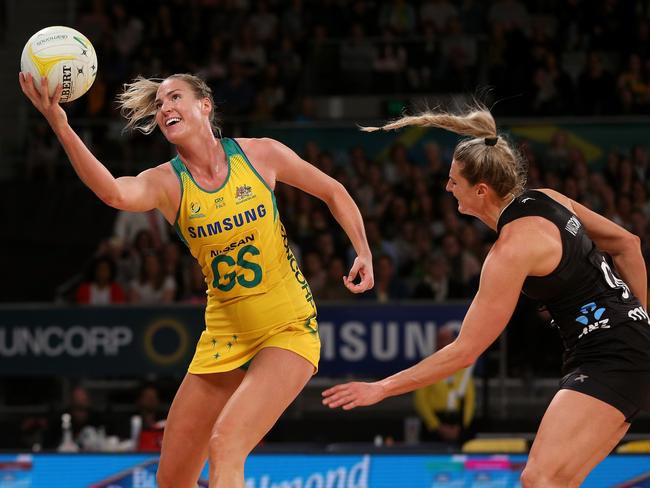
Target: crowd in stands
[[422, 247], [266, 60], [98, 421]]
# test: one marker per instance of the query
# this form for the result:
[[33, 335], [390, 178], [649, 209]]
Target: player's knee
[[531, 476], [224, 443], [165, 478], [534, 476], [161, 480]]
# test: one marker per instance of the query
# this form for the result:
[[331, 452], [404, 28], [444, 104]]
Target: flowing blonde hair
[[137, 101], [484, 155]]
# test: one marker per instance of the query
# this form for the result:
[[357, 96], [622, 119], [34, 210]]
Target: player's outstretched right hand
[[48, 106]]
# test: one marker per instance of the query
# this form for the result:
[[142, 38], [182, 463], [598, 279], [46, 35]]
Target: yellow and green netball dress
[[257, 296]]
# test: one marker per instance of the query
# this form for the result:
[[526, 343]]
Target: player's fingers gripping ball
[[64, 56]]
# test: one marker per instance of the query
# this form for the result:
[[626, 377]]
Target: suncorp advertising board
[[359, 339]]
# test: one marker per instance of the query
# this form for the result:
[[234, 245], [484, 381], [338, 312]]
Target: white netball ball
[[64, 56]]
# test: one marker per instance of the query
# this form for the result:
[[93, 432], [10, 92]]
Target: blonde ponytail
[[484, 155], [475, 123], [137, 103]]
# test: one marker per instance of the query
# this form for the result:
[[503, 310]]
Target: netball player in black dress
[[551, 248]]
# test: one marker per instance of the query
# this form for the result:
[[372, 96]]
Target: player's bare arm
[[623, 246], [276, 162], [502, 277]]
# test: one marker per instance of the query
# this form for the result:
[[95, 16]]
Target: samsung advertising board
[[311, 471], [356, 339]]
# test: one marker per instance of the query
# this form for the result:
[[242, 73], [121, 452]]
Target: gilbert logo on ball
[[63, 55]]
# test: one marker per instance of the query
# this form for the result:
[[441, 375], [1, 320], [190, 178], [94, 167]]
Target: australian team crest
[[195, 210], [243, 193]]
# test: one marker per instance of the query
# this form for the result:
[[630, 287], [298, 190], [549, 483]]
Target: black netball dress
[[604, 327]]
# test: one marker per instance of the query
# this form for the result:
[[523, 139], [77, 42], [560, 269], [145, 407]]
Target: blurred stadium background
[[569, 80]]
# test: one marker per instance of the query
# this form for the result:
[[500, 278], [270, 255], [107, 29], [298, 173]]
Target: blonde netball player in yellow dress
[[260, 345]]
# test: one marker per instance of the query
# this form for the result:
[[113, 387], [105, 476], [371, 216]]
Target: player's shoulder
[[161, 174], [159, 171], [265, 150], [526, 232], [255, 142], [558, 197]]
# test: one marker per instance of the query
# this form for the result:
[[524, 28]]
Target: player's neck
[[494, 210], [202, 153]]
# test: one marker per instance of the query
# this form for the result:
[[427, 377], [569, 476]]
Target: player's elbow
[[468, 359], [465, 355], [118, 199], [633, 241], [627, 243], [335, 192], [112, 199]]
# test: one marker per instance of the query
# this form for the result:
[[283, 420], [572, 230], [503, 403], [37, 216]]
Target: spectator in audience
[[100, 287], [93, 21], [423, 60], [470, 236], [633, 86], [148, 406], [315, 272], [465, 265], [148, 432], [290, 64], [396, 213], [390, 61], [640, 162], [321, 63], [404, 245], [437, 13], [271, 98], [388, 285], [513, 14], [356, 58], [42, 159], [294, 19], [437, 285], [626, 176], [447, 407], [215, 67], [640, 199], [460, 55], [173, 265], [398, 16], [85, 421], [595, 87], [128, 226], [556, 157], [249, 54], [553, 88], [378, 244], [264, 22], [127, 29], [195, 288], [331, 290], [237, 92], [152, 286], [371, 192], [472, 15]]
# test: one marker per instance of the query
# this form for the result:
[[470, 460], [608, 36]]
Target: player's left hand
[[361, 267], [351, 395]]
